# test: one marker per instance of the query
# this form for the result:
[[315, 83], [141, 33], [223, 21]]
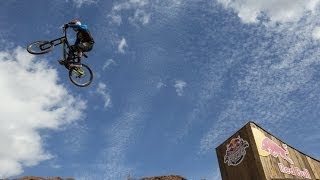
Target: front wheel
[[40, 47], [81, 76]]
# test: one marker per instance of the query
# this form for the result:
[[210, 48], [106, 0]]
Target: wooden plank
[[314, 166], [254, 148]]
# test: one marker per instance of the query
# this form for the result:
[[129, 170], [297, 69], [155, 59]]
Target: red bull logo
[[275, 150], [295, 171], [235, 152], [267, 147]]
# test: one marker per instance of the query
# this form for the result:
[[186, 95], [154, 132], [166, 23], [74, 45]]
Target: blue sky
[[173, 80]]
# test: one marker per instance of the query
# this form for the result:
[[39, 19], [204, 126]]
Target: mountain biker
[[83, 43]]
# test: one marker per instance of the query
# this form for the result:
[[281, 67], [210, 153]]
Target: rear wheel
[[40, 47], [81, 76]]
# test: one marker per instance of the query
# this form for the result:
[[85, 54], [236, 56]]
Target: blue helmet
[[77, 22]]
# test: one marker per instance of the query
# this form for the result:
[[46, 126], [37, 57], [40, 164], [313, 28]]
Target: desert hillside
[[41, 178], [171, 177]]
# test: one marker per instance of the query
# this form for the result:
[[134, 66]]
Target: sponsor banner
[[267, 147], [294, 171], [275, 150], [236, 151]]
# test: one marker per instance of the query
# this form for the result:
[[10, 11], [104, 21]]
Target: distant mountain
[[171, 177], [41, 178]]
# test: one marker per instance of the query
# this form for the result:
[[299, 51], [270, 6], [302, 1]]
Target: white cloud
[[249, 11], [122, 45], [277, 86], [217, 176], [180, 85], [31, 99], [102, 91], [120, 135], [55, 166], [116, 19], [140, 16], [140, 11], [75, 137], [160, 85], [130, 4], [108, 63], [210, 85], [316, 33], [80, 3]]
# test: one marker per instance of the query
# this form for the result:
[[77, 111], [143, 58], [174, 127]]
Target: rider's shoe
[[78, 71]]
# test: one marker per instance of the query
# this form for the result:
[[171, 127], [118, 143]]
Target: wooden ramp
[[254, 154]]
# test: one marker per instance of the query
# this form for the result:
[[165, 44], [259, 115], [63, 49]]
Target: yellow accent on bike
[[78, 71]]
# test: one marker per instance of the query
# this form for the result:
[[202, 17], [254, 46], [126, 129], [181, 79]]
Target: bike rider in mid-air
[[83, 43]]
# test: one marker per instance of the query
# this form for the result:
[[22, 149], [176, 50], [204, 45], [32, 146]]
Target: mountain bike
[[79, 73]]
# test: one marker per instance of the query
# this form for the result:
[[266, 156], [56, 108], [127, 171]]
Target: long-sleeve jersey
[[83, 34]]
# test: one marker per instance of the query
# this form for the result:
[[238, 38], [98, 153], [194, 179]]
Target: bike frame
[[65, 44]]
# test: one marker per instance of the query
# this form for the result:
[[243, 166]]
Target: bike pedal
[[62, 62]]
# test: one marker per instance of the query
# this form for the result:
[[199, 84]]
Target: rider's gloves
[[66, 25]]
